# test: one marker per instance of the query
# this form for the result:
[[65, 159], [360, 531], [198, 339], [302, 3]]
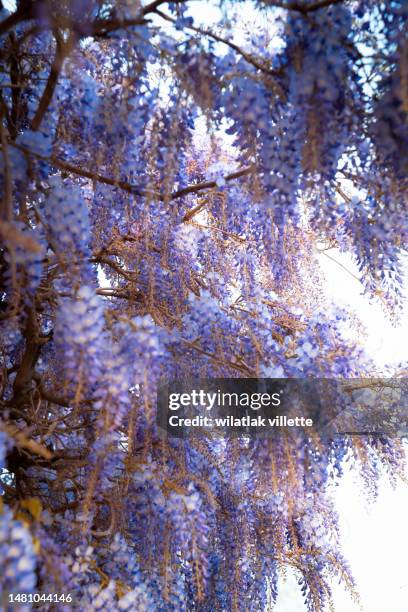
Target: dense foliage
[[167, 187]]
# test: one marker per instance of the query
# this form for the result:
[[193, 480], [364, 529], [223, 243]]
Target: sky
[[10, 5], [374, 535], [375, 543], [386, 343]]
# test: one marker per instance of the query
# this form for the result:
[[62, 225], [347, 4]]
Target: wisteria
[[169, 181]]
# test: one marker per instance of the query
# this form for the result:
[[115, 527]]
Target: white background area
[[374, 535], [375, 543]]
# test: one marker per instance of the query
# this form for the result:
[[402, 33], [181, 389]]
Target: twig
[[9, 231], [247, 56], [340, 264], [211, 184], [7, 204], [23, 442]]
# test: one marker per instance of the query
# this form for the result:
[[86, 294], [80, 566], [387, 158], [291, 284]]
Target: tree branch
[[301, 8], [62, 51], [7, 195], [249, 58], [322, 252], [22, 385], [210, 184], [23, 13], [94, 176], [153, 6], [129, 187]]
